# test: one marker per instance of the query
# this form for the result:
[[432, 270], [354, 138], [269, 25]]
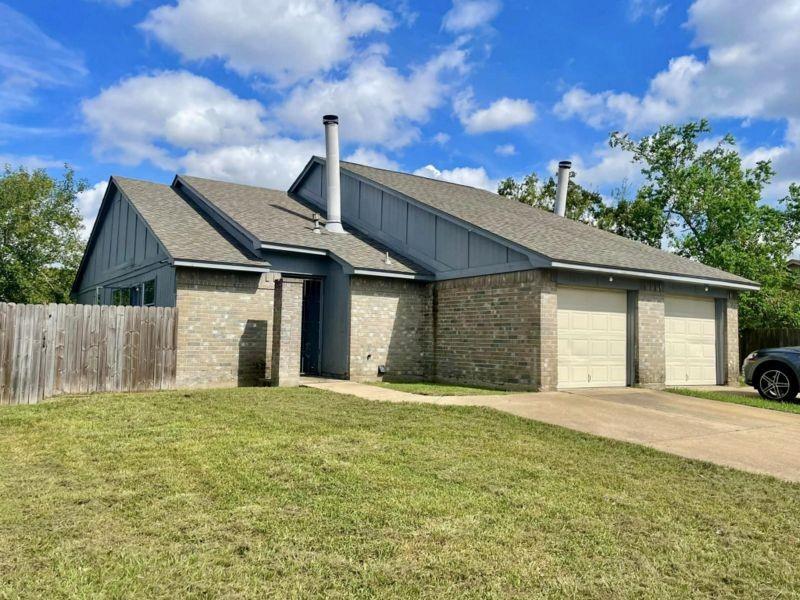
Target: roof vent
[[560, 207], [332, 177]]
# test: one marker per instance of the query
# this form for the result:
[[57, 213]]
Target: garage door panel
[[690, 341], [591, 338]]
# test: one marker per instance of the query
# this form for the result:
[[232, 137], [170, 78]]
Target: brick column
[[287, 325], [732, 339], [651, 356], [547, 375]]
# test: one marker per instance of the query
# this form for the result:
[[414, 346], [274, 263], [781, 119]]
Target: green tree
[[705, 205], [40, 243], [582, 204]]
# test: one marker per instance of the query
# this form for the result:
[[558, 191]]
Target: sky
[[470, 91]]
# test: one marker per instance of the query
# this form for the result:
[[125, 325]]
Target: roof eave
[[691, 279]]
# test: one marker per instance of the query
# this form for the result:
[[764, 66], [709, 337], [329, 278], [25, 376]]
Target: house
[[408, 277]]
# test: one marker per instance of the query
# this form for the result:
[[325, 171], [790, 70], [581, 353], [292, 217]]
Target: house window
[[126, 296], [149, 292]]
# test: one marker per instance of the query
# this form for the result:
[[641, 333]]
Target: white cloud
[[282, 39], [752, 71], [470, 14], [372, 158], [31, 60], [639, 9], [30, 161], [472, 176], [441, 138], [375, 102], [150, 117], [89, 203], [500, 115], [604, 168], [274, 163], [505, 150]]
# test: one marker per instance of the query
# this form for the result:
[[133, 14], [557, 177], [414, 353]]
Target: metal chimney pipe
[[560, 207], [334, 193]]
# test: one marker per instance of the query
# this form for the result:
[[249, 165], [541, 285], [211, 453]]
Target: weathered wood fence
[[51, 349], [753, 339]]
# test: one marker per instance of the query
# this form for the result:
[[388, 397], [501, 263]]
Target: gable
[[121, 242], [443, 245]]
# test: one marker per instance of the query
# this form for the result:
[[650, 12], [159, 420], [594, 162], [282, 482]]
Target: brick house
[[407, 278]]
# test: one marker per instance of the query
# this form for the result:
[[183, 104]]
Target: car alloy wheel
[[775, 384]]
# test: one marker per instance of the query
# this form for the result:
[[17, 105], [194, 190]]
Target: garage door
[[591, 338], [690, 337]]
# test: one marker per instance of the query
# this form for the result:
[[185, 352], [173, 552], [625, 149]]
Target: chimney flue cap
[[330, 119], [565, 164]]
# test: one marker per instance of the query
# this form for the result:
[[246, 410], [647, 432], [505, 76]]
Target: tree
[[705, 205], [582, 204], [40, 244]]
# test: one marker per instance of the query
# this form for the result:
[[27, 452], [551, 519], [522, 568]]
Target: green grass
[[305, 493], [436, 389], [746, 396]]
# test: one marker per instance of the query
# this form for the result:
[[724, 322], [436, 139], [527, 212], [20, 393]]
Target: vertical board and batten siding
[[409, 229], [125, 253], [52, 349]]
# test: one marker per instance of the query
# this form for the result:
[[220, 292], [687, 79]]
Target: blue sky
[[466, 90]]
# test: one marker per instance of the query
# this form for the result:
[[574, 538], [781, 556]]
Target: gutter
[[659, 276], [392, 274], [220, 266]]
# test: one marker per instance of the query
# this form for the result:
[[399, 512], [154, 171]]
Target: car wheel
[[777, 383]]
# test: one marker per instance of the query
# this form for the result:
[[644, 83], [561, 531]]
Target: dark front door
[[310, 332]]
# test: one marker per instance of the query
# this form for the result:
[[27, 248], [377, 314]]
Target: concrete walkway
[[742, 437]]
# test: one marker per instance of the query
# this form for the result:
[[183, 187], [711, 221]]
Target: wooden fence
[[753, 339], [51, 349]]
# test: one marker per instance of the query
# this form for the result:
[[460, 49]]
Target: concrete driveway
[[743, 437]]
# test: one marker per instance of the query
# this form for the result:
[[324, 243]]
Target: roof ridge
[[472, 187], [246, 185]]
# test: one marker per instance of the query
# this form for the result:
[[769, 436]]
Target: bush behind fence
[[51, 349]]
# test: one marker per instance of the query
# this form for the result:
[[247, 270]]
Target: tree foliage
[[40, 243], [582, 204]]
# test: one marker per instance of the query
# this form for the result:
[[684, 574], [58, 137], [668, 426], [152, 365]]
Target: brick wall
[[732, 341], [390, 324], [651, 360], [497, 330], [224, 327], [286, 337]]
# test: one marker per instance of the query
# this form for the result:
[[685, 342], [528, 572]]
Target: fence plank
[[46, 350], [4, 337]]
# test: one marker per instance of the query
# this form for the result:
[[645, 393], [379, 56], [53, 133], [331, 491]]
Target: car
[[774, 372]]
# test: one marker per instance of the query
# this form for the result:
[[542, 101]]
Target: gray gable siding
[[125, 252], [447, 248]]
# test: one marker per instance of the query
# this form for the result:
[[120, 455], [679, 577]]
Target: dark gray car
[[774, 372]]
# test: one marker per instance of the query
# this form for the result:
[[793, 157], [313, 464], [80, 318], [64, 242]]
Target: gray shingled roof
[[184, 232], [538, 230], [275, 217]]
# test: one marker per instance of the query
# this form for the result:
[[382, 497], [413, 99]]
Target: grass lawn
[[746, 397], [437, 389], [302, 493]]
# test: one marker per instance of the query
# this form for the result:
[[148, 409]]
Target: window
[[149, 292], [121, 297]]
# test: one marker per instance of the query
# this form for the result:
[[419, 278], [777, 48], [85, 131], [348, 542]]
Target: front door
[[310, 331]]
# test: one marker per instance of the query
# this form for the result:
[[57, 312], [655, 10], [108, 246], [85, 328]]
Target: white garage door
[[591, 337], [690, 337]]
